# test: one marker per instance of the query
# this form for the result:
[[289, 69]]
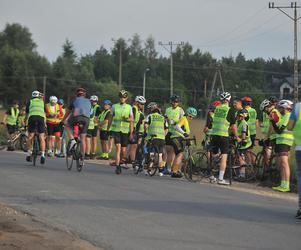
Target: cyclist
[[62, 139], [21, 118], [253, 119], [178, 136], [78, 112], [121, 125], [295, 125], [243, 139], [54, 114], [10, 119], [223, 120], [237, 104], [284, 141], [104, 117], [138, 125], [173, 115], [156, 127], [274, 117], [35, 113], [92, 129]]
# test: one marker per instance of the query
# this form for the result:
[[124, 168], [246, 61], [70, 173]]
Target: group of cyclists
[[126, 125]]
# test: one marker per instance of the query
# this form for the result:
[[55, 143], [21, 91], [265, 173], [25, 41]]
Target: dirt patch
[[20, 231]]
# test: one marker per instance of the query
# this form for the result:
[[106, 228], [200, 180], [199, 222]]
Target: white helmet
[[140, 99], [53, 99], [265, 103], [225, 96], [94, 98], [286, 104], [35, 93]]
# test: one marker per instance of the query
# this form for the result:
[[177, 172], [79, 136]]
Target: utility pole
[[170, 50], [217, 73], [44, 85], [295, 19], [120, 61]]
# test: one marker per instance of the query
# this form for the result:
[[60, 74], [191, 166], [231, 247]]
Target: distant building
[[284, 87]]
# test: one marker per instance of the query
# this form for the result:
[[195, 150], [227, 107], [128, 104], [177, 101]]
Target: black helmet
[[273, 100], [175, 98], [123, 93], [244, 113]]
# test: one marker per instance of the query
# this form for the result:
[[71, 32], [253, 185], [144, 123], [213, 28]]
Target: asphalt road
[[138, 212]]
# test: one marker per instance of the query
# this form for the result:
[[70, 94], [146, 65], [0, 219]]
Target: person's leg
[[94, 145], [222, 166], [88, 145], [58, 142], [29, 142], [133, 149], [170, 156], [117, 156], [84, 145], [177, 163], [298, 168]]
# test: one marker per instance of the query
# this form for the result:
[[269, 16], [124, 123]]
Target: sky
[[221, 27]]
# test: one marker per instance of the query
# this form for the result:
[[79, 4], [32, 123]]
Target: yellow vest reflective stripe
[[156, 127], [240, 125], [274, 135], [286, 137], [102, 117], [252, 120], [56, 112], [13, 117], [220, 125], [297, 128], [36, 107], [120, 120]]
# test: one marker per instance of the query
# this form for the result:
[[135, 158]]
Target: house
[[283, 87]]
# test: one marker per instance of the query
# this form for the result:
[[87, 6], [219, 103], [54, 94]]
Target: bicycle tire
[[195, 168], [77, 154], [69, 157], [274, 171], [260, 165], [3, 143], [250, 168], [35, 150], [23, 142]]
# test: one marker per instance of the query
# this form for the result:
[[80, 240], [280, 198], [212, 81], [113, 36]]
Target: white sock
[[221, 175], [29, 152], [43, 153]]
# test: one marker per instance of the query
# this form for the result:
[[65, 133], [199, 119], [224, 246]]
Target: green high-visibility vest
[[120, 121], [173, 115], [136, 115], [274, 135], [265, 124], [36, 107], [102, 117], [252, 120], [209, 132], [141, 128], [297, 129], [240, 125], [92, 118], [286, 137], [13, 117], [220, 125], [21, 120], [156, 127]]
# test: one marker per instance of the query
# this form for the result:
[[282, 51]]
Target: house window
[[286, 93]]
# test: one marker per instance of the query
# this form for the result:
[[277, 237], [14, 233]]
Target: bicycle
[[138, 165], [267, 168], [74, 154], [16, 140], [35, 147]]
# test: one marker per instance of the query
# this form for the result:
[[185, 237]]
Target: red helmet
[[81, 91], [214, 104], [246, 99]]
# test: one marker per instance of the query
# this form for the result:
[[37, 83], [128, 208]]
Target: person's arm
[[231, 118], [111, 114], [68, 112], [294, 117]]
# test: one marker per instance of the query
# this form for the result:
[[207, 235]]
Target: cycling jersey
[[285, 137], [243, 127], [183, 124], [252, 120], [104, 115], [81, 106], [12, 116], [174, 115], [120, 121], [220, 125], [274, 117], [53, 110], [156, 126]]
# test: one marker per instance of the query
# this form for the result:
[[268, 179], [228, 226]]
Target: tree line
[[23, 69]]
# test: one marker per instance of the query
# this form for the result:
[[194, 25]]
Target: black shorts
[[220, 143], [178, 144], [168, 140], [92, 132], [83, 120], [159, 145], [36, 123], [253, 138], [53, 129], [104, 135], [282, 148], [11, 128], [120, 138]]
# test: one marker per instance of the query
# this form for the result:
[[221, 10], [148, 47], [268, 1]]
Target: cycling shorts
[[120, 138], [178, 144], [282, 148], [54, 129], [253, 137], [11, 129], [168, 140], [36, 123], [159, 145], [220, 143], [104, 135], [92, 132], [83, 120]]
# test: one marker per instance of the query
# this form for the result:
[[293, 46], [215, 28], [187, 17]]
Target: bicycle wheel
[[195, 168], [260, 166], [69, 157], [153, 164], [250, 168], [274, 171], [3, 142], [35, 150], [23, 142], [78, 156]]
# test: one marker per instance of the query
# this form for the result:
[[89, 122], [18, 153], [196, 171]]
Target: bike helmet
[[191, 111], [175, 98], [107, 102], [53, 99], [225, 96], [152, 106], [286, 104], [243, 112], [60, 101], [140, 99], [123, 93], [246, 100], [273, 100], [214, 104], [81, 91], [35, 94], [94, 98], [265, 103]]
